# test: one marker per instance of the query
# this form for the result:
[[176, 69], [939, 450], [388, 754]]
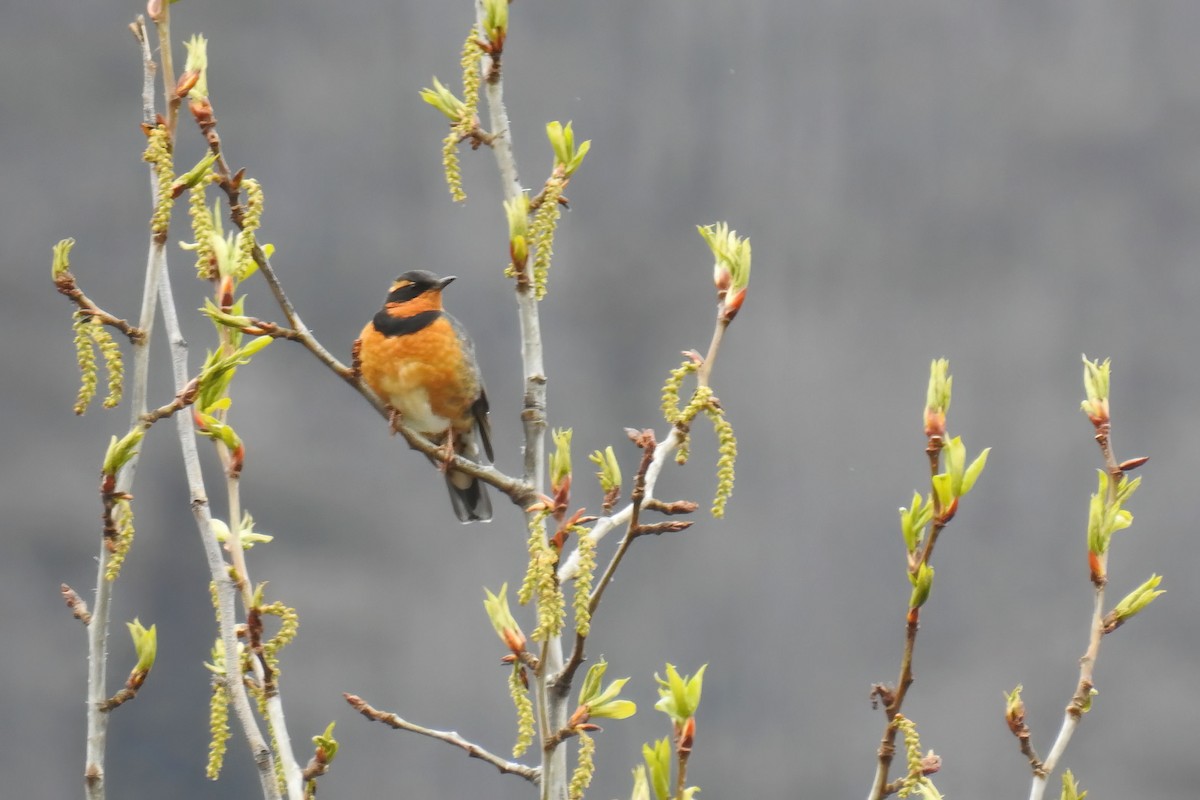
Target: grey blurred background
[[1005, 183]]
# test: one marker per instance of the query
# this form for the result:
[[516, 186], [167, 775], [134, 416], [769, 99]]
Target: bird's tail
[[469, 497]]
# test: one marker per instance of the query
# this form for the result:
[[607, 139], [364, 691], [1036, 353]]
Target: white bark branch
[[217, 566]]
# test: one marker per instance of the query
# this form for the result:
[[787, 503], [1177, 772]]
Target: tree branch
[[217, 566], [1081, 700], [97, 716], [531, 774], [662, 452]]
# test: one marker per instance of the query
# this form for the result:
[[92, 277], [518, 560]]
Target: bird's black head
[[415, 283]]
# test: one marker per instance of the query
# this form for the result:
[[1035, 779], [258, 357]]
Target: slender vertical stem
[[163, 26], [97, 694], [705, 372], [533, 417], [217, 566], [1087, 664]]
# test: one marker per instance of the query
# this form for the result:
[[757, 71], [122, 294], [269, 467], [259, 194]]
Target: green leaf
[[145, 644], [120, 451], [658, 763], [614, 709], [679, 696], [591, 682], [1138, 599], [974, 471], [944, 489], [922, 583]]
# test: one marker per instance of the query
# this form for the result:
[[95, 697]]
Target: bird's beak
[[444, 282]]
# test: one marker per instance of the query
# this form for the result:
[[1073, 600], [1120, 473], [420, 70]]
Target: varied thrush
[[421, 362]]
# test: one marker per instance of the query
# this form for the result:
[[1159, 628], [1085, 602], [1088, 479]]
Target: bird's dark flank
[[421, 362]]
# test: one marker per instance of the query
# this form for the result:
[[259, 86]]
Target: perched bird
[[421, 361]]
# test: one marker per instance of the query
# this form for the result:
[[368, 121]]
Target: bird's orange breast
[[423, 375]]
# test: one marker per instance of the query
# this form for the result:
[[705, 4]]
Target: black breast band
[[388, 325]]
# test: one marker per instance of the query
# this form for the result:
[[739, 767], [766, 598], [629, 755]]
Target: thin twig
[[562, 682], [603, 526], [97, 717], [217, 566], [531, 774], [1081, 700], [66, 285], [292, 773], [162, 23], [533, 415], [895, 698]]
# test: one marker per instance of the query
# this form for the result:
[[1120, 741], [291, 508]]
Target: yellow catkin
[[85, 357], [541, 232], [251, 221], [218, 728], [585, 767], [912, 745], [469, 61], [463, 127], [158, 153], [289, 625], [542, 581], [728, 455], [113, 365], [524, 706], [586, 548], [450, 165], [670, 390], [203, 232], [535, 545], [123, 517]]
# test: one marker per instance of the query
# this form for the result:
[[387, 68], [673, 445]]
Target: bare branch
[[531, 774], [97, 717]]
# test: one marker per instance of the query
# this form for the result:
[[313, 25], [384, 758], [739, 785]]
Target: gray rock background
[[1008, 184]]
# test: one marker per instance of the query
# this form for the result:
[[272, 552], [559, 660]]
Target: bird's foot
[[447, 452]]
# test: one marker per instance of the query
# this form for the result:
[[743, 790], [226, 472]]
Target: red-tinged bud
[[1097, 412], [948, 512], [515, 640], [1015, 715], [581, 716], [187, 81], [914, 616], [509, 659], [225, 293], [562, 495], [687, 735], [935, 423], [543, 504], [732, 304], [155, 10], [198, 421], [931, 763], [589, 726], [1096, 566], [524, 675], [559, 539], [108, 484], [237, 460], [202, 111], [1132, 464]]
